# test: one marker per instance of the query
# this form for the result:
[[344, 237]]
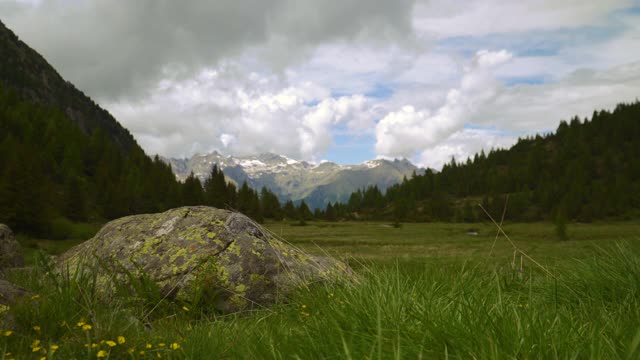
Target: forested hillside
[[51, 174], [584, 171], [51, 170], [65, 160], [33, 78]]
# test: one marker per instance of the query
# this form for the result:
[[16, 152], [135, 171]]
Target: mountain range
[[289, 179]]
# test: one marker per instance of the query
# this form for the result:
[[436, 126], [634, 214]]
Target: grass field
[[375, 243], [425, 291]]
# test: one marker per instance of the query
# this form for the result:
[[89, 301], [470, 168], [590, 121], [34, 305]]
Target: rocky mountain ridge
[[289, 179]]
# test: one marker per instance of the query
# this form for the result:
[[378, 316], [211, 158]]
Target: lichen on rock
[[190, 249]]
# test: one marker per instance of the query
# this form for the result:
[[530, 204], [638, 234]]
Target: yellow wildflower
[[54, 348], [102, 354], [110, 343], [185, 308], [162, 344], [121, 340], [81, 323], [175, 346], [35, 297], [36, 328], [148, 346], [94, 345], [8, 333], [141, 352], [87, 327]]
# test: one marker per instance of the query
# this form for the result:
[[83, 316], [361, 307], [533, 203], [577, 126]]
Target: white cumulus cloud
[[240, 113], [405, 132]]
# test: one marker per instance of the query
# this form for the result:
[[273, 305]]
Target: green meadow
[[423, 291]]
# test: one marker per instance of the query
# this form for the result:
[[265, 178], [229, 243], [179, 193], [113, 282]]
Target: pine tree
[[216, 188], [290, 210], [304, 213], [192, 192], [270, 205], [330, 214]]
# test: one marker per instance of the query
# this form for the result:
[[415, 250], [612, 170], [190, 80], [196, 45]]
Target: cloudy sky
[[342, 80]]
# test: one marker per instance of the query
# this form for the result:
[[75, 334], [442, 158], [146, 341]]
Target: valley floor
[[425, 291], [379, 242]]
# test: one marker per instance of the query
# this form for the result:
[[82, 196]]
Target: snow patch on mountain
[[317, 183]]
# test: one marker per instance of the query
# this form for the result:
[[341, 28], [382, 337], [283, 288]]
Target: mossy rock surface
[[10, 253], [202, 250]]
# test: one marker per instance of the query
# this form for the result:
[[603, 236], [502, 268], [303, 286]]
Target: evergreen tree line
[[53, 175], [586, 170], [218, 192]]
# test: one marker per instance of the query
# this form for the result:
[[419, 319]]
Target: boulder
[[9, 293], [10, 253], [201, 250]]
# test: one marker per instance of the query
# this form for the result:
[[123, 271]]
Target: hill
[[586, 170], [33, 79], [67, 164], [65, 159]]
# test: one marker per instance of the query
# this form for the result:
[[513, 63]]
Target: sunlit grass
[[452, 300]]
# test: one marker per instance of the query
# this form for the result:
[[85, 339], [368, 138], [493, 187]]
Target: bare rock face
[[10, 253], [202, 250]]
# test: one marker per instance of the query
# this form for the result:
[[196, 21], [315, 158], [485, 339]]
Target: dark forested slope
[[586, 170], [62, 157], [30, 75]]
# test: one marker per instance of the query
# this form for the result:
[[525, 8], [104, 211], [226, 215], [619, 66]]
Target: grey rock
[[191, 250], [9, 294], [10, 252]]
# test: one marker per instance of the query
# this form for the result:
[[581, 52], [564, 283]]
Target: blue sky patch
[[524, 80], [380, 92], [532, 43], [349, 150]]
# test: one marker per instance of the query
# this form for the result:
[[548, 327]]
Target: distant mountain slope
[[30, 75], [298, 180]]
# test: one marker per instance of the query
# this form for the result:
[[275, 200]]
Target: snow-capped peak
[[252, 163], [371, 164]]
